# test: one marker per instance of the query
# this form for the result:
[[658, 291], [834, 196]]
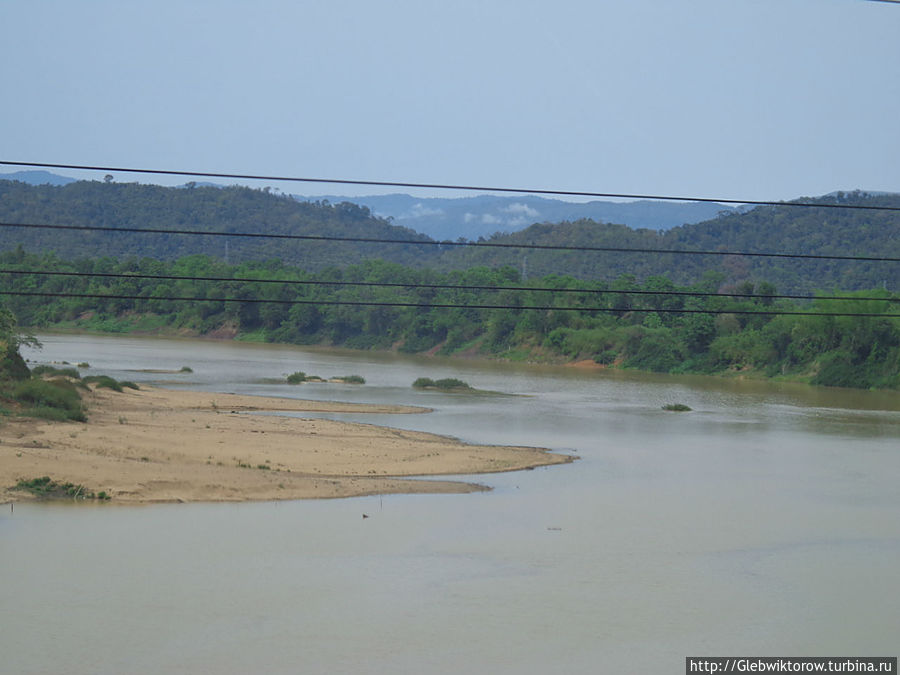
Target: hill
[[208, 209], [37, 178], [769, 229], [484, 215], [781, 229]]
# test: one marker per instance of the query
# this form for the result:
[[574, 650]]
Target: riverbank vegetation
[[47, 488], [46, 392], [651, 325]]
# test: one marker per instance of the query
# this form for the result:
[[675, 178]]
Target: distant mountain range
[[234, 209], [37, 178], [485, 215]]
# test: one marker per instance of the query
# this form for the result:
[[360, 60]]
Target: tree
[[12, 365]]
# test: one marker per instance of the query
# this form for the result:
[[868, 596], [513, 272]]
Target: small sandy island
[[160, 445]]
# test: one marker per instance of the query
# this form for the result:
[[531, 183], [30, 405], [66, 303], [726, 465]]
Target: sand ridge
[[162, 445]]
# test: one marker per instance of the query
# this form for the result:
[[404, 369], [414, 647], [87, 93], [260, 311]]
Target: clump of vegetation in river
[[186, 369], [300, 377], [445, 384], [677, 407], [350, 379], [47, 488]]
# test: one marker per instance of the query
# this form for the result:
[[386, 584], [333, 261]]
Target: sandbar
[[163, 445]]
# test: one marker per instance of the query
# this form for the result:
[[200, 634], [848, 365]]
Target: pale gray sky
[[754, 99]]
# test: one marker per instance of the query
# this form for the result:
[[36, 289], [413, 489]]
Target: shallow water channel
[[765, 522]]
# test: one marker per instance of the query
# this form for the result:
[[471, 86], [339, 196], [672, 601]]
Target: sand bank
[[160, 445]]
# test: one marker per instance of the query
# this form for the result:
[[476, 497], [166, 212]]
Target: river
[[764, 522]]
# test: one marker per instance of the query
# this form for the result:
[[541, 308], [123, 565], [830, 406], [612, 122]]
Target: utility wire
[[440, 186], [440, 305], [452, 287], [430, 242]]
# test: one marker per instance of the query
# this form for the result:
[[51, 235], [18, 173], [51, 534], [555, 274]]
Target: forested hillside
[[207, 209], [777, 229], [767, 229]]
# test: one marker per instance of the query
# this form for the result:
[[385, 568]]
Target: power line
[[454, 287], [430, 242], [440, 186], [438, 305]]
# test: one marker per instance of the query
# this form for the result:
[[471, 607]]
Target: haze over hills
[[37, 178], [777, 229], [485, 215]]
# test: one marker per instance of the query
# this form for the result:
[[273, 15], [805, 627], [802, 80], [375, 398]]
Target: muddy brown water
[[764, 522]]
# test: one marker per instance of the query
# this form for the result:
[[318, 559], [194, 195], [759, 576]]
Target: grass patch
[[350, 379], [47, 488], [40, 371], [103, 382], [56, 399]]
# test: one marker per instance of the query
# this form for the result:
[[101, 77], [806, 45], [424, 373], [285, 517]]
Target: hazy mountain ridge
[[765, 229], [485, 215], [776, 229]]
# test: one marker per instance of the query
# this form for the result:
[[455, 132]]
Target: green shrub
[[103, 381], [654, 350], [186, 369], [46, 488], [84, 364], [837, 369], [445, 384], [35, 484], [606, 357], [50, 400], [451, 383], [351, 379], [39, 371], [297, 378]]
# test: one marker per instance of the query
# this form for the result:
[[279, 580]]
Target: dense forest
[[765, 229], [821, 231], [652, 324], [205, 209]]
